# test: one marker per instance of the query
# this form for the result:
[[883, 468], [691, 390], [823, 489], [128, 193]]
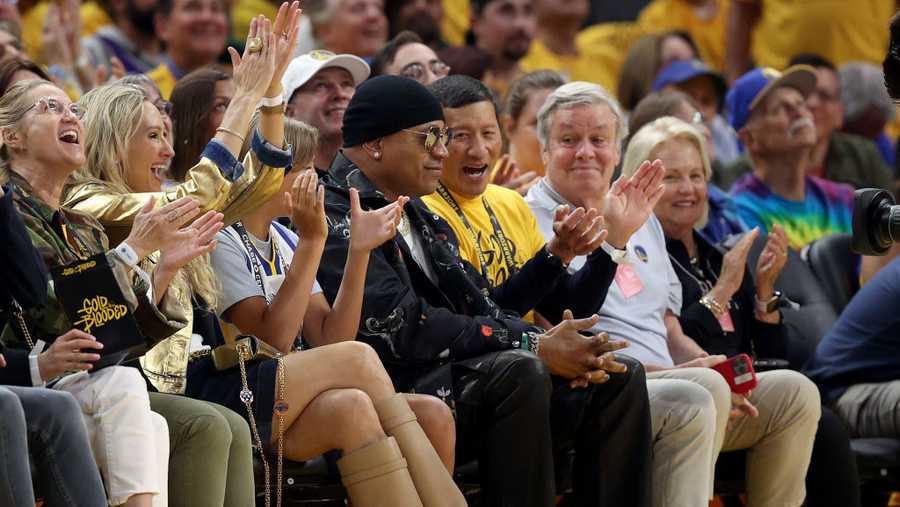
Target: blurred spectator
[[423, 17], [13, 70], [39, 21], [503, 29], [199, 102], [769, 32], [466, 60], [243, 11], [194, 33], [768, 109], [405, 55], [707, 88], [10, 40], [647, 57], [356, 27], [867, 105], [558, 46], [317, 88], [9, 12], [703, 20], [131, 38], [519, 120], [455, 22], [722, 217]]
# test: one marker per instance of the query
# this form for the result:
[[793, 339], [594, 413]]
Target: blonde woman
[[43, 138]]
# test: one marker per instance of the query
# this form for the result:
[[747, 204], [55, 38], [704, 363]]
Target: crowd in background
[[524, 233]]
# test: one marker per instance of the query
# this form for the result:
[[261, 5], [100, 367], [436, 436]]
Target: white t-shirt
[[639, 317], [233, 267]]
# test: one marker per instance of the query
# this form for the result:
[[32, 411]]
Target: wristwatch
[[617, 256], [769, 305]]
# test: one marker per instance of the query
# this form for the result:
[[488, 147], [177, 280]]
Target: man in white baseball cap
[[318, 87]]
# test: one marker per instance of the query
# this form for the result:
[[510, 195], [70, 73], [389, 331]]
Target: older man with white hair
[[581, 128]]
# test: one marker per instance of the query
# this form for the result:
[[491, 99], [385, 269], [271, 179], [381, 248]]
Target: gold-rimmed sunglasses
[[433, 135]]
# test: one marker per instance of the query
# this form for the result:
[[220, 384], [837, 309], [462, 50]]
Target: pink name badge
[[628, 280], [726, 323]]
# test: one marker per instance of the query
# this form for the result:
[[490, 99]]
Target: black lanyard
[[254, 256], [505, 249]]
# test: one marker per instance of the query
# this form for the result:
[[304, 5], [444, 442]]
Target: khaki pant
[[871, 410], [779, 441], [130, 443]]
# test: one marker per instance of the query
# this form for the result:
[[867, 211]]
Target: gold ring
[[254, 44]]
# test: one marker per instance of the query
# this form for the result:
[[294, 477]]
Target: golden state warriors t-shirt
[[826, 209]]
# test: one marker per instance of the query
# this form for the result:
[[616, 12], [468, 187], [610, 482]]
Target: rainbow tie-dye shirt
[[826, 209]]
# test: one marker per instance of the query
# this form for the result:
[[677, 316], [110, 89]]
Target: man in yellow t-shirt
[[495, 229], [770, 32], [703, 20]]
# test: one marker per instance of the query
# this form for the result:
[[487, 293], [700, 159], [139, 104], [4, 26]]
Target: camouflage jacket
[[45, 227]]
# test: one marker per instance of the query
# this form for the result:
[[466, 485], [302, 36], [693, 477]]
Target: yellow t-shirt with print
[[516, 221], [601, 52], [839, 30], [709, 33]]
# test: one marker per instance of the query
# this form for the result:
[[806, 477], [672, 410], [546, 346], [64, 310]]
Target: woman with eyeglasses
[[42, 146]]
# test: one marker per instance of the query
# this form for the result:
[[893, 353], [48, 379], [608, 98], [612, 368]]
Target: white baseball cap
[[304, 67]]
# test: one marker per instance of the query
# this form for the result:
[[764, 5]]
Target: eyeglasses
[[416, 70], [164, 106], [432, 136], [53, 106]]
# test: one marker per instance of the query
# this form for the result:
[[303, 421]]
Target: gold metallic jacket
[[166, 363]]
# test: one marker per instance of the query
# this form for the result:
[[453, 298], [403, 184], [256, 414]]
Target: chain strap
[[17, 311], [246, 397]]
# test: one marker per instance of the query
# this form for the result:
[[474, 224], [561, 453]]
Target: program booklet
[[91, 298]]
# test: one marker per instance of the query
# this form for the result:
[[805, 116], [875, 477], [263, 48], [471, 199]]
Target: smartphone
[[739, 373]]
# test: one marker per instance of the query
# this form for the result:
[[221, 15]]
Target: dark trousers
[[514, 417], [832, 478]]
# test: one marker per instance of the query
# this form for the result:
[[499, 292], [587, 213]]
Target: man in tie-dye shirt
[[768, 110]]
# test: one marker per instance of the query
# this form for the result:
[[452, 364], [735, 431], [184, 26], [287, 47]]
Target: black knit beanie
[[384, 105]]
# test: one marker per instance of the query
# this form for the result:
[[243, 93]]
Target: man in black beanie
[[430, 317]]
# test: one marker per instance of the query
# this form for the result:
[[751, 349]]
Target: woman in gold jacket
[[127, 154]]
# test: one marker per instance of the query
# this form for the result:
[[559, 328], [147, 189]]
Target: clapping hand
[[286, 27], [161, 228], [770, 263], [306, 200], [734, 263], [200, 243], [630, 201], [369, 229], [254, 69], [575, 233], [508, 176]]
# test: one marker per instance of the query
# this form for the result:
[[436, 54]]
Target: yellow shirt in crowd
[[455, 22], [516, 221], [242, 11], [601, 51], [164, 80], [840, 30], [709, 34]]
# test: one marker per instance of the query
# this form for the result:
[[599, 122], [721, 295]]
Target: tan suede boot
[[435, 486], [376, 476]]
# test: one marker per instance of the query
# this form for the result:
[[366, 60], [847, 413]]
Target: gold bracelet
[[713, 306], [232, 132]]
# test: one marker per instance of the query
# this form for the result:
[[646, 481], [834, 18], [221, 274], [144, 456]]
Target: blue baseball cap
[[751, 89], [680, 71]]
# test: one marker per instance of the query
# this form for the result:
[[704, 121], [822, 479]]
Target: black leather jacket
[[414, 324]]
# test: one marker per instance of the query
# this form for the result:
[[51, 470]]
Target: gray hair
[[575, 94], [320, 12], [862, 84]]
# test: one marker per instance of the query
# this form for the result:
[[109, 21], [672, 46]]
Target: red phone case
[[739, 373]]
